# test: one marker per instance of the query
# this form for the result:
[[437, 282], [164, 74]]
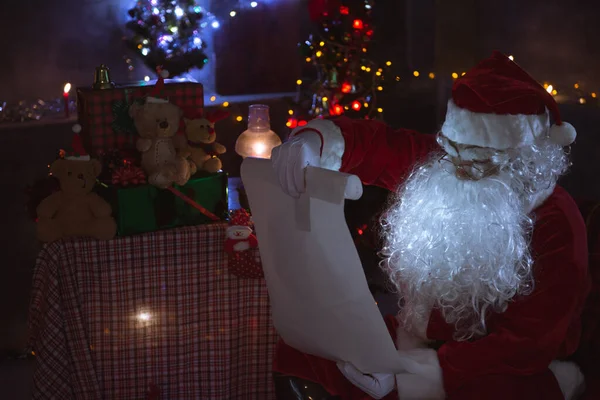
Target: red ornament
[[356, 105], [346, 87], [357, 24], [344, 10], [338, 110]]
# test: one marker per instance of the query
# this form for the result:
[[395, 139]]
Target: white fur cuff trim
[[493, 130], [569, 378], [333, 142]]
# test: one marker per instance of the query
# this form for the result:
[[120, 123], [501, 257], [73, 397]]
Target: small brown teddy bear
[[157, 121], [75, 210], [199, 143]]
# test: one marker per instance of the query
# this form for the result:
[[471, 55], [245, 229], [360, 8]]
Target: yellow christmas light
[[380, 109], [239, 118], [431, 75], [594, 95], [366, 104], [291, 112], [324, 99], [582, 100], [213, 98], [308, 59], [397, 79], [378, 73], [462, 73], [576, 85], [380, 88], [554, 92], [319, 53], [226, 104], [363, 67], [322, 44], [389, 63], [454, 75], [364, 49], [299, 82], [368, 69], [416, 74]]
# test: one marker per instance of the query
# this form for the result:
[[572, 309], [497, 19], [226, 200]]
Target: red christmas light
[[346, 87], [356, 105], [344, 10], [357, 24], [302, 123], [370, 32], [338, 110], [292, 123]]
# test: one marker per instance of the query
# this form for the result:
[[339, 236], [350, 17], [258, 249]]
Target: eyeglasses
[[474, 169]]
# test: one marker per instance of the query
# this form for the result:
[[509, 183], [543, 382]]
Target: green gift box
[[145, 208]]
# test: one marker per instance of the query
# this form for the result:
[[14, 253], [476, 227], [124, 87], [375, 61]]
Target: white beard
[[459, 245]]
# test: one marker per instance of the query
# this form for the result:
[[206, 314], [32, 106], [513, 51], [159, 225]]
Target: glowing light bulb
[[431, 75], [389, 63], [368, 69], [322, 44], [299, 82], [356, 105], [454, 75], [259, 148], [576, 86], [174, 29], [582, 100], [226, 104], [594, 95], [144, 316], [462, 73], [324, 99], [253, 4], [239, 118], [178, 12], [357, 24], [397, 79], [145, 51], [213, 98], [146, 78], [291, 112], [380, 110], [380, 88], [549, 88], [67, 88], [554, 92], [215, 24], [308, 59], [232, 14], [416, 74], [511, 58], [378, 73]]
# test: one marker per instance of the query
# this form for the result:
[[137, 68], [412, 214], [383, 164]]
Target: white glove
[[375, 385], [291, 159], [423, 380]]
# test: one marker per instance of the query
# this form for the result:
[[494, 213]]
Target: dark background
[[47, 43]]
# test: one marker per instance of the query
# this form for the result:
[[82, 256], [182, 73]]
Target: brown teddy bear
[[199, 143], [75, 210], [157, 121]]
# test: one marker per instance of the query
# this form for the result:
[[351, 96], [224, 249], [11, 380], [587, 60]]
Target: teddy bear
[[157, 121], [75, 210], [199, 143]]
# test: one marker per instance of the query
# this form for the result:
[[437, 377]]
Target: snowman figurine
[[241, 247]]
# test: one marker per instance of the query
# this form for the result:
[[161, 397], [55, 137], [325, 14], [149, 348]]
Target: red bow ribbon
[[129, 175]]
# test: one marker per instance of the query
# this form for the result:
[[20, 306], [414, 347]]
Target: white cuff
[[424, 380], [333, 142]]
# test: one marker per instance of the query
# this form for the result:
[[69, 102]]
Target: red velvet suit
[[511, 362]]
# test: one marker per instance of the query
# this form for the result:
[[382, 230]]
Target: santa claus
[[487, 253]]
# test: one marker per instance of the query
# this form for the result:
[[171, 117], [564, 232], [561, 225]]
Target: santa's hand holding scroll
[[488, 254]]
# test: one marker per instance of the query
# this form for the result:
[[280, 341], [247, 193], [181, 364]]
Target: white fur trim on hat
[[78, 158], [563, 134], [334, 143], [156, 100], [495, 131]]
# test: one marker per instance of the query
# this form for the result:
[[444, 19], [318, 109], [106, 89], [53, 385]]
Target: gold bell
[[102, 78]]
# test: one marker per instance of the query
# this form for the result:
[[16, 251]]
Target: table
[[108, 319]]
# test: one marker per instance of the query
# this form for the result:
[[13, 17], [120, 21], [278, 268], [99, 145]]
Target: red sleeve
[[253, 241], [534, 329], [380, 155]]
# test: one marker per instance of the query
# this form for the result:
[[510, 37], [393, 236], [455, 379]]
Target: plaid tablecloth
[[107, 319]]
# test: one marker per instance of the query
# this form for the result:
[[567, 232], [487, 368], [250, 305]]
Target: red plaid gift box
[[99, 110], [110, 319]]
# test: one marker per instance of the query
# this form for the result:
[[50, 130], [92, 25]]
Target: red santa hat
[[240, 218], [498, 105], [77, 152], [157, 95]]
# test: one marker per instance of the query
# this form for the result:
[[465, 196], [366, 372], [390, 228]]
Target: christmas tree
[[166, 33], [339, 77]]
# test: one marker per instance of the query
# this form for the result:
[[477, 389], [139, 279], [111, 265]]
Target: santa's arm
[[376, 153], [527, 337]]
